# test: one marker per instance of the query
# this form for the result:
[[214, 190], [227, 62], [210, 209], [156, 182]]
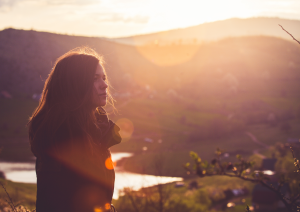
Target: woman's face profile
[[100, 87]]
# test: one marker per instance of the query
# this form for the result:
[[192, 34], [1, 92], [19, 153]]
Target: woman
[[70, 135]]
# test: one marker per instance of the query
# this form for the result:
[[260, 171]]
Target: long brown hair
[[65, 110]]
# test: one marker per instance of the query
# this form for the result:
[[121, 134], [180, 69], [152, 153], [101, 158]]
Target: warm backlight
[[168, 55]]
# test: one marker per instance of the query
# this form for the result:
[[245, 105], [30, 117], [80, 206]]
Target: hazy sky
[[116, 18]]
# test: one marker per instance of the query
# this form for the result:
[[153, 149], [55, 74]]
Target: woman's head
[[76, 86], [71, 81]]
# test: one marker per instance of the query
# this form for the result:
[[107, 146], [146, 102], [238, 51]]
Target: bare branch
[[290, 34], [278, 193], [295, 198], [10, 202]]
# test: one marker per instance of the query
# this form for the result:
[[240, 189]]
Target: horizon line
[[136, 35]]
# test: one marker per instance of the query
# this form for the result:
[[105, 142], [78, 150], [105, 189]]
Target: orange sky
[[116, 18]]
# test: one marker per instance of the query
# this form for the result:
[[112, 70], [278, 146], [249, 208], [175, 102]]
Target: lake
[[25, 173]]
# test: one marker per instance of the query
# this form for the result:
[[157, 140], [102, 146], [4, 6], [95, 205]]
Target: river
[[25, 173]]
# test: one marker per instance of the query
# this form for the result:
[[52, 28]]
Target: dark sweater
[[73, 179]]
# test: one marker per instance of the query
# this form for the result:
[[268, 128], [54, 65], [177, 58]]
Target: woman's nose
[[104, 85]]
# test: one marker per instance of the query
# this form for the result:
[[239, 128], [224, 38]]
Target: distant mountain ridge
[[217, 30], [26, 58]]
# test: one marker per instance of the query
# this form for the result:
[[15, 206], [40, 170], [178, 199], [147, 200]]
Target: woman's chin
[[102, 103]]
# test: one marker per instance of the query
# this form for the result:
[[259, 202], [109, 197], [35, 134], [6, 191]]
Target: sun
[[169, 14]]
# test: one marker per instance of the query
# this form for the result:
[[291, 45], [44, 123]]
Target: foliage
[[257, 161], [243, 169]]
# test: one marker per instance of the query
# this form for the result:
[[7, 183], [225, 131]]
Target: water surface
[[25, 173]]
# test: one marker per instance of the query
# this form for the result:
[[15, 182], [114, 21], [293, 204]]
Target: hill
[[26, 58], [217, 30]]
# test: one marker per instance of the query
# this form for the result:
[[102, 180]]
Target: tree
[[242, 170]]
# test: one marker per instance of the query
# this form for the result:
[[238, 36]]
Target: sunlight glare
[[168, 54]]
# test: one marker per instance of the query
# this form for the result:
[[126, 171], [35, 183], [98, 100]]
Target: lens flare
[[107, 206], [98, 209], [126, 128], [109, 164]]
